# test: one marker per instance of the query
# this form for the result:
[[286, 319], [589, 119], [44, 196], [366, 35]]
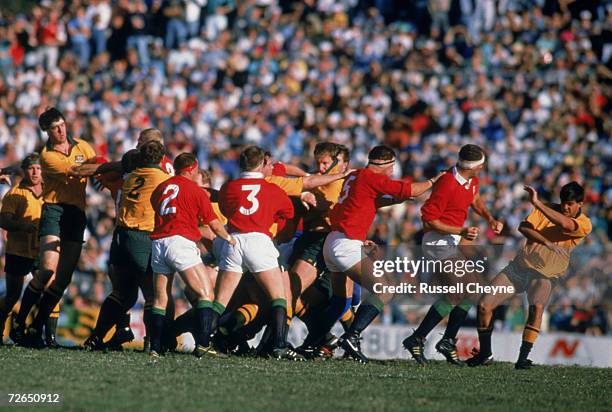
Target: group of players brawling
[[273, 244]]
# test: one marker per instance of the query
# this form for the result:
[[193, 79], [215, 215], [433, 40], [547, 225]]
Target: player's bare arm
[[566, 222], [217, 227], [468, 232], [481, 209], [91, 169], [418, 188], [312, 181], [295, 171], [533, 235]]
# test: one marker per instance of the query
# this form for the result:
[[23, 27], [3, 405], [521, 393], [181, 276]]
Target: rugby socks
[[337, 307], [436, 313], [204, 314], [185, 323], [278, 320], [530, 334], [49, 299], [169, 337], [347, 319], [218, 308], [484, 338], [157, 328], [456, 319], [123, 322], [51, 326], [30, 298], [110, 311], [367, 312], [146, 319]]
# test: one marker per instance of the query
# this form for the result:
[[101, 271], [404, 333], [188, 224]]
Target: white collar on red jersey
[[251, 175], [462, 181]]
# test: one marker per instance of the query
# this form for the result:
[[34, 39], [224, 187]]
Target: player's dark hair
[[48, 117], [150, 153], [31, 159], [151, 134], [328, 148], [572, 191], [251, 157], [184, 161], [471, 152], [344, 152], [381, 154]]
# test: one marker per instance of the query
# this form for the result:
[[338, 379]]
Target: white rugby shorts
[[174, 254], [253, 252], [341, 253]]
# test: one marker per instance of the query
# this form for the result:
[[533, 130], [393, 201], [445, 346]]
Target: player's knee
[[42, 277], [484, 308]]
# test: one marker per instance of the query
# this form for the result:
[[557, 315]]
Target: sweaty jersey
[[327, 197], [59, 186], [356, 208], [537, 256], [180, 207], [135, 210], [251, 204], [21, 202], [450, 199]]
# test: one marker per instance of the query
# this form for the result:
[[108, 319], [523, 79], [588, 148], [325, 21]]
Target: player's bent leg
[[270, 282], [486, 306], [14, 284], [68, 259], [302, 275], [538, 295], [49, 258]]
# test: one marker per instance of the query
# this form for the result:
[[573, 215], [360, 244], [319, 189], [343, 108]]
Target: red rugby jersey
[[450, 199], [356, 208], [252, 205], [180, 206]]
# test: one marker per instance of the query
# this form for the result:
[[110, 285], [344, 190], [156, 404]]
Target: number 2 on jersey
[[253, 189], [346, 189], [165, 209]]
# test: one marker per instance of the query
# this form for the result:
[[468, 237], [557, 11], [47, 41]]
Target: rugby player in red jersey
[[180, 207], [444, 215], [251, 205], [351, 218]]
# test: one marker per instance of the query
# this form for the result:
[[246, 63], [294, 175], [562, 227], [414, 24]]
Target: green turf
[[128, 381]]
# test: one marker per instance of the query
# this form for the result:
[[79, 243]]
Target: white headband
[[470, 164]]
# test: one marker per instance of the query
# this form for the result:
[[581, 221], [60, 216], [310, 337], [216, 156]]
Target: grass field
[[178, 382]]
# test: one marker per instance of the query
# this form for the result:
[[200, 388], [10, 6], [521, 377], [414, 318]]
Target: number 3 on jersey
[[253, 190], [346, 189], [165, 209]]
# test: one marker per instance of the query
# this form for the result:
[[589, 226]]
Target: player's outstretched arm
[[310, 182], [418, 188], [90, 169], [219, 229], [567, 223], [295, 171]]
